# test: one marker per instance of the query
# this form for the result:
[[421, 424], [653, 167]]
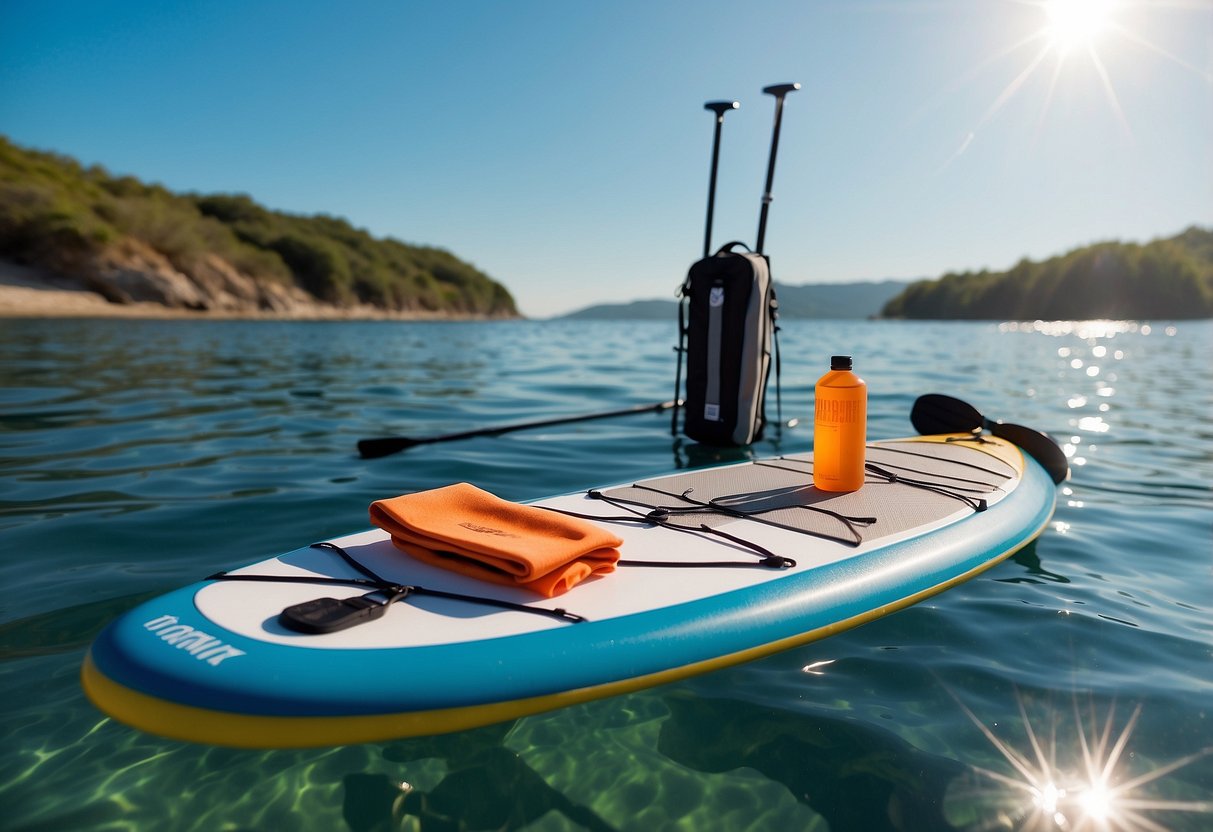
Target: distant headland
[[1169, 278], [78, 241]]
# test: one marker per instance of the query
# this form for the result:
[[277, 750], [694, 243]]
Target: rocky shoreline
[[138, 282]]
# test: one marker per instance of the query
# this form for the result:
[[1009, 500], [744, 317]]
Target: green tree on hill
[[55, 213], [1168, 278]]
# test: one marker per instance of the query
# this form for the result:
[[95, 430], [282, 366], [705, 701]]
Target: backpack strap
[[679, 348], [775, 338], [727, 248]]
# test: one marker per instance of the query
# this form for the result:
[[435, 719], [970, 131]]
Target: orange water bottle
[[840, 420]]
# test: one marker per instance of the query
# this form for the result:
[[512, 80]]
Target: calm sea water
[[1070, 687]]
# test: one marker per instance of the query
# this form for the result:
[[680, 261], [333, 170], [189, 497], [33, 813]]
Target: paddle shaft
[[719, 108], [779, 91], [383, 446]]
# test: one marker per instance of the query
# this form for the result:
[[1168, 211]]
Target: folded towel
[[470, 531]]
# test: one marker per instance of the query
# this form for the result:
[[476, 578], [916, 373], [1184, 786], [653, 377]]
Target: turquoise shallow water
[[1070, 687]]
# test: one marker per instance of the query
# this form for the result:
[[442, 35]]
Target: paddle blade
[[936, 413], [1042, 448], [384, 446]]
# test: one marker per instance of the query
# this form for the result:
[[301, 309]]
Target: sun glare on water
[[1052, 784]]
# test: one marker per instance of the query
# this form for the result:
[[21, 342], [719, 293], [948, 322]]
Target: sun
[[1077, 24], [1073, 38]]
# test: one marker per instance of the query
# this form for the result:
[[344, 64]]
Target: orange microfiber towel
[[470, 531]]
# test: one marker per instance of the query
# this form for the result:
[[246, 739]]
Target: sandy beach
[[27, 292]]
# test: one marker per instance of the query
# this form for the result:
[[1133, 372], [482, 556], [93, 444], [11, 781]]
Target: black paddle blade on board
[[1040, 445], [936, 413]]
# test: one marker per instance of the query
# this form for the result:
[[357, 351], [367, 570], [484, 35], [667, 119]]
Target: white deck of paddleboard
[[251, 608]]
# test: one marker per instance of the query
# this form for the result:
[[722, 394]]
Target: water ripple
[[137, 456]]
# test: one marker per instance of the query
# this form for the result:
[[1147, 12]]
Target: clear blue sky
[[562, 146]]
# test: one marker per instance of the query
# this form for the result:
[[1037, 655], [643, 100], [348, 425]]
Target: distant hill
[[1166, 278], [131, 241], [814, 300], [837, 300], [637, 310]]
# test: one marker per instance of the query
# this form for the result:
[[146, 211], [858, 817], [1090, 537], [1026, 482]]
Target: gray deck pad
[[780, 490]]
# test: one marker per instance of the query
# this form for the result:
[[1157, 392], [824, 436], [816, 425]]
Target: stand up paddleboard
[[720, 566]]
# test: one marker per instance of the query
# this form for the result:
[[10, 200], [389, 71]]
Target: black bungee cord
[[328, 615]]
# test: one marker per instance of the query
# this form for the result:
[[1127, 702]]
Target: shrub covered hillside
[[1168, 278], [134, 241]]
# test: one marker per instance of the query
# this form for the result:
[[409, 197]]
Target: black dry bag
[[726, 327]]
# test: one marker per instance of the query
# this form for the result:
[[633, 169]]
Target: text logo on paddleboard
[[202, 646]]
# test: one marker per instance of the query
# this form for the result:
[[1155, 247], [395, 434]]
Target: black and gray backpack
[[727, 322]]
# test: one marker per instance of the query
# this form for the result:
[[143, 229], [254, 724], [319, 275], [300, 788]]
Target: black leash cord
[[393, 591], [977, 504], [999, 474], [770, 559], [348, 558], [985, 487], [660, 516], [849, 522]]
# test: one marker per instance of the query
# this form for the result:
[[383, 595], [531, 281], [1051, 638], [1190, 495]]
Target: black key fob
[[328, 615]]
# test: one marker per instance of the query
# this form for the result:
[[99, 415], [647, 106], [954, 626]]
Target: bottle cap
[[840, 362]]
